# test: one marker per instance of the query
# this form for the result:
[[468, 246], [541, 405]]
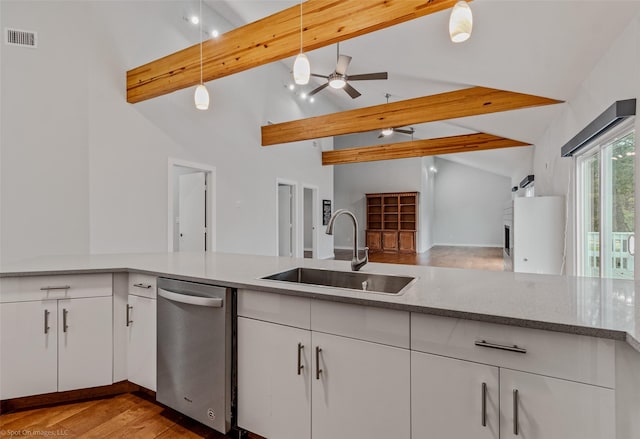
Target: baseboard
[[29, 402], [440, 244]]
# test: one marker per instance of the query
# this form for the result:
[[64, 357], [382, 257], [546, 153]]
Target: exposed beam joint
[[273, 38], [418, 148], [450, 105]]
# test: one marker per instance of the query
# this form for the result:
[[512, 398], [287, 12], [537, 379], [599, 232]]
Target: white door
[[453, 399], [85, 343], [141, 341], [550, 408], [28, 348], [285, 220], [274, 393], [192, 212], [362, 390]]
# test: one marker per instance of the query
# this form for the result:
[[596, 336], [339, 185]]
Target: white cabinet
[[274, 371], [539, 407], [362, 385], [74, 353], [28, 348], [139, 320], [360, 389], [452, 399]]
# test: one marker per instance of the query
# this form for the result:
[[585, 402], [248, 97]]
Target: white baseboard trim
[[493, 245], [340, 247]]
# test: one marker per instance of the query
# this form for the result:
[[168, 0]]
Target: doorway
[[191, 207], [286, 218], [310, 215]]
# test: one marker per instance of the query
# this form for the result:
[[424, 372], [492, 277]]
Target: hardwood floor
[[479, 258], [130, 415]]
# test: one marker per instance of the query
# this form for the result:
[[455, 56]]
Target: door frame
[[294, 216], [315, 239], [210, 179]]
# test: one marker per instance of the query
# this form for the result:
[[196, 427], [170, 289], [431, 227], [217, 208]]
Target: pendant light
[[460, 22], [386, 131], [201, 96], [301, 66]]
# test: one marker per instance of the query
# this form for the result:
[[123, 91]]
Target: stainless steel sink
[[376, 283]]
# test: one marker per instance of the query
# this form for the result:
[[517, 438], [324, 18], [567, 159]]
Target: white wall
[[427, 203], [616, 77], [469, 205], [84, 171], [352, 182]]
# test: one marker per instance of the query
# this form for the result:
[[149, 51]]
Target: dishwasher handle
[[212, 302]]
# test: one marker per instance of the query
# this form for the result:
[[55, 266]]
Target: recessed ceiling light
[[194, 19], [215, 33], [303, 95], [291, 87], [312, 100]]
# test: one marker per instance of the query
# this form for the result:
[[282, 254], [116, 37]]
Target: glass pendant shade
[[460, 22], [301, 69], [201, 97]]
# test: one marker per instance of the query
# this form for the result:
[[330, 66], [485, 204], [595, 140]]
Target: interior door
[[285, 220], [192, 212]]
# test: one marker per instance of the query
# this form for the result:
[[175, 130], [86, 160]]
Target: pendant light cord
[[201, 42], [300, 26]]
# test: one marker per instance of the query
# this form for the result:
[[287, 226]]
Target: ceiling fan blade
[[397, 130], [369, 76], [343, 63], [380, 136], [351, 91], [319, 76], [316, 90]]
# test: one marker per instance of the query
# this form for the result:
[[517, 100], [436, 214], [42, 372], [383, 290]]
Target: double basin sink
[[353, 280]]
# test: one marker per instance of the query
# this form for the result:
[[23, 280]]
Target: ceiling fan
[[388, 131], [340, 80]]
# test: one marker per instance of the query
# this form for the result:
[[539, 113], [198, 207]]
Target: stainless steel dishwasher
[[194, 351]]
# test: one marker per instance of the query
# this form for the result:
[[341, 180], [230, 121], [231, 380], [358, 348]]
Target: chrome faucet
[[356, 263]]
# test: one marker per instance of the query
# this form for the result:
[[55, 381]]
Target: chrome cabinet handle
[[62, 287], [300, 365], [502, 347], [515, 412], [129, 308], [318, 370], [484, 404], [46, 321], [64, 319], [141, 285]]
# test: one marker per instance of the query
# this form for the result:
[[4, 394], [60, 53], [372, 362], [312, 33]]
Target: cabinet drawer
[[143, 285], [276, 308], [64, 286], [379, 325], [568, 356]]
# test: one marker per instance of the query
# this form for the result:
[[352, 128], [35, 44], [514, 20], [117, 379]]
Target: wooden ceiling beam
[[450, 105], [418, 148], [271, 39]]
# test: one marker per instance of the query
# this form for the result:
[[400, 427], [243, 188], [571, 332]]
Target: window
[[606, 205]]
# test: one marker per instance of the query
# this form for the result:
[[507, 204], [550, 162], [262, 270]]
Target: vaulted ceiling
[[540, 47]]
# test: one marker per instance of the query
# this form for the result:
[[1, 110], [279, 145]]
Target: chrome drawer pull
[[145, 286], [300, 365], [63, 287], [502, 347]]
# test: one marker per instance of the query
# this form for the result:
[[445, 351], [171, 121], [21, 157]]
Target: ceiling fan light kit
[[460, 22], [337, 81], [387, 131], [201, 95]]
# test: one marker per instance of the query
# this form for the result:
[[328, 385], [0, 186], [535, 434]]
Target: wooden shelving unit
[[392, 222]]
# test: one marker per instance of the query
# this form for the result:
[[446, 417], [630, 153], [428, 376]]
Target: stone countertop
[[604, 308]]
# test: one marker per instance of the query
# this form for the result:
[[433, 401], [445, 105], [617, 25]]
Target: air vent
[[23, 38]]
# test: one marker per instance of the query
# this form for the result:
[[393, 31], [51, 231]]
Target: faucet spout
[[356, 263]]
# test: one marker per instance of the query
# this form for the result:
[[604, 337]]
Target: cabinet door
[[274, 395], [374, 241], [390, 241], [407, 242], [550, 408], [28, 348], [141, 341], [85, 346], [453, 399], [362, 390]]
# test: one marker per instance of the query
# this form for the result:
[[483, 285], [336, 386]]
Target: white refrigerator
[[538, 234]]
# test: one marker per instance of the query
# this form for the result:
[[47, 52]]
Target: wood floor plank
[[122, 421]]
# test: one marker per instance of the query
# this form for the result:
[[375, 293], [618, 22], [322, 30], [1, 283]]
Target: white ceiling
[[541, 47]]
